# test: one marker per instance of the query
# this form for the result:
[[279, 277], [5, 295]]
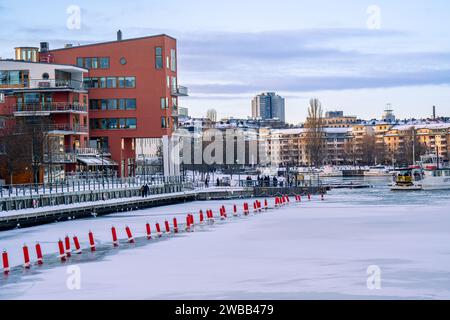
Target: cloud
[[321, 83], [218, 63]]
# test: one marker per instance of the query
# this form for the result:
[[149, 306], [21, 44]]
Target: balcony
[[66, 129], [48, 85], [179, 91], [45, 109], [89, 151], [60, 158]]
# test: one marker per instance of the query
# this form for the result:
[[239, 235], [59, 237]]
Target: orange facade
[[131, 94]]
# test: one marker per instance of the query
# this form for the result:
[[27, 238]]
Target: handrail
[[49, 107]]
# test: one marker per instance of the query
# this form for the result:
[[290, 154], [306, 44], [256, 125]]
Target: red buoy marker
[[62, 252], [188, 223], [67, 244], [26, 257], [129, 234], [40, 259], [77, 245], [158, 230], [149, 231], [167, 227], [114, 237], [5, 262], [92, 241]]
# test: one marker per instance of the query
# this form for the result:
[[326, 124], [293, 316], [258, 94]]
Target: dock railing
[[83, 185]]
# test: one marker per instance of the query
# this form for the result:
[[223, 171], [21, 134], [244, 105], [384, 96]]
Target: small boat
[[436, 178], [378, 171], [408, 179], [427, 175]]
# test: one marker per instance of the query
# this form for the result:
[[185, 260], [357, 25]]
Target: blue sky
[[231, 50]]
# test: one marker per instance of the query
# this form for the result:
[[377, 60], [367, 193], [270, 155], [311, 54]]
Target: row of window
[[110, 82], [104, 62], [171, 62], [113, 124], [112, 104], [165, 103], [122, 123], [14, 77], [93, 63]]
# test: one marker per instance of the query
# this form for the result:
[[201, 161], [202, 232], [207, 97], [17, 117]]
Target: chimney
[[68, 45], [44, 47], [119, 35]]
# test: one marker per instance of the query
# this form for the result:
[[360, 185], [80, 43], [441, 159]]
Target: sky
[[357, 56]]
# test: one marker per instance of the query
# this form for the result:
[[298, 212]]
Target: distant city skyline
[[231, 51]]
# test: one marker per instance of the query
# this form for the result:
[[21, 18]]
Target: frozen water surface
[[317, 249]]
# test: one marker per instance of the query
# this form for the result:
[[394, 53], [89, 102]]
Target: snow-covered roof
[[289, 131], [432, 126], [337, 130]]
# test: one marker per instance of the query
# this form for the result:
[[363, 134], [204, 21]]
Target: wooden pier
[[79, 205]]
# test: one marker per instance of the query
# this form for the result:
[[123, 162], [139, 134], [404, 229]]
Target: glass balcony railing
[[30, 84], [47, 108], [66, 129], [179, 91]]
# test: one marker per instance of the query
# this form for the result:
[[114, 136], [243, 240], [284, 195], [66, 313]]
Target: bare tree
[[350, 154], [367, 150], [15, 156], [314, 137]]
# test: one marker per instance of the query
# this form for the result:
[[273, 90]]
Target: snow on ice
[[308, 250]]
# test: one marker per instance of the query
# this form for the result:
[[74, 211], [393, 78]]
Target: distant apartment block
[[267, 106], [337, 119]]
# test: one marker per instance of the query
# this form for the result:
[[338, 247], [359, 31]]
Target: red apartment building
[[49, 98], [133, 91]]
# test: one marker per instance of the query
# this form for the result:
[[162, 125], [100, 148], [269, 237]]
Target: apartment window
[[173, 60], [163, 122], [130, 104], [112, 104], [112, 124], [2, 97], [121, 82], [111, 82], [80, 62], [131, 123], [163, 103], [88, 63], [104, 104], [94, 64], [167, 62], [159, 58], [104, 63], [130, 82], [94, 104], [102, 83], [95, 83]]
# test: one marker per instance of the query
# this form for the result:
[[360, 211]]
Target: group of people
[[145, 191], [265, 181]]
